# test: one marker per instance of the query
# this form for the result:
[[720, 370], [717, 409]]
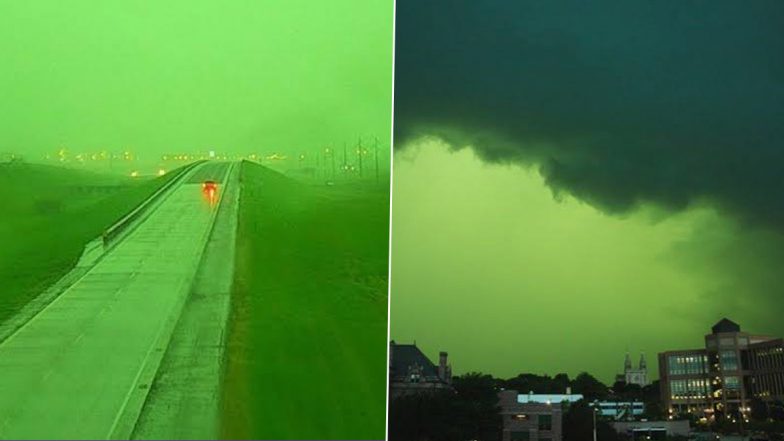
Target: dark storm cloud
[[619, 102]]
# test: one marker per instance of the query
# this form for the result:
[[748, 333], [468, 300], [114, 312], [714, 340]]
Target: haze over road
[[80, 366]]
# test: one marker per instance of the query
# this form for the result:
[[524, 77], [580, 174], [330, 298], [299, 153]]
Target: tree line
[[470, 411]]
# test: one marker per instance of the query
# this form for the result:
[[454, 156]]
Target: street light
[[595, 407]]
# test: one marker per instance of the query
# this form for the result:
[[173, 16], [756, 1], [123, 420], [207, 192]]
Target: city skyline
[[573, 181]]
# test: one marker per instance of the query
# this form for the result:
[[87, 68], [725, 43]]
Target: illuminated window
[[729, 360], [687, 364], [689, 389], [732, 383]]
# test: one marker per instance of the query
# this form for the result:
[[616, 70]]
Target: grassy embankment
[[48, 214], [307, 345]]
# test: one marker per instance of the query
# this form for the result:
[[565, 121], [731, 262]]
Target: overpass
[[82, 366]]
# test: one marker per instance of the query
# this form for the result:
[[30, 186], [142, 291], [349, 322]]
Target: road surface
[[80, 369], [184, 400]]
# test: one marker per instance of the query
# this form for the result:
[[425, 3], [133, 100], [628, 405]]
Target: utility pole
[[324, 172], [318, 166], [595, 407], [375, 154], [359, 156], [332, 154], [345, 165]]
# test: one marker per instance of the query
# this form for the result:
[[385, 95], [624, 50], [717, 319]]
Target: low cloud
[[618, 103]]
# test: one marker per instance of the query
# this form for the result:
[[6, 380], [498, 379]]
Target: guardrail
[[92, 252], [110, 236]]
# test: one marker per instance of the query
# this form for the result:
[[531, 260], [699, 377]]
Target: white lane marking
[[169, 321]]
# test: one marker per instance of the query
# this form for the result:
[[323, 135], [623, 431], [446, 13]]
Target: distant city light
[[161, 172], [134, 174], [212, 154]]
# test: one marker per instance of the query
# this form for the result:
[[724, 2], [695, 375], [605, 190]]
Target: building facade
[[410, 371], [652, 430], [766, 364], [620, 410], [529, 417], [631, 375], [722, 378]]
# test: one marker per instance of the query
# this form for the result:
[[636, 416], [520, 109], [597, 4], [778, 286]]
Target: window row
[[689, 389], [687, 364]]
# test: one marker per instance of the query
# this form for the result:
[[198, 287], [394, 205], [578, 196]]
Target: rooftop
[[548, 398], [404, 356], [725, 325]]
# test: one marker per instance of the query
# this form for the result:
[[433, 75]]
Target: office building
[[533, 417], [723, 377]]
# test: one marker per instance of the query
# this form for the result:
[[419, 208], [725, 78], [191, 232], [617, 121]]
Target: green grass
[[48, 215], [306, 354]]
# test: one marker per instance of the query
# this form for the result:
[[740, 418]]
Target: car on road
[[210, 190], [209, 185]]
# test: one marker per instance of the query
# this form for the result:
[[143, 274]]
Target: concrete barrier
[[93, 251], [116, 232]]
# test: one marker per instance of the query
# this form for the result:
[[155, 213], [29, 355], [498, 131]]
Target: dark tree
[[477, 403], [619, 388], [561, 382], [578, 424], [591, 388], [476, 387], [423, 417], [623, 391], [651, 393], [651, 396], [470, 412], [540, 384]]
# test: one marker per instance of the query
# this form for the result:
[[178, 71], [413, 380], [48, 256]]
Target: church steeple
[[627, 364], [643, 364]]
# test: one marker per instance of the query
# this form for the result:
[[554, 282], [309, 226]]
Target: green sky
[[491, 267], [153, 76]]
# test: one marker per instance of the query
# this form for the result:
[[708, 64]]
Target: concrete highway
[[184, 400], [81, 368]]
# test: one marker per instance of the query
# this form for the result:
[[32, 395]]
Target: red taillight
[[210, 190]]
